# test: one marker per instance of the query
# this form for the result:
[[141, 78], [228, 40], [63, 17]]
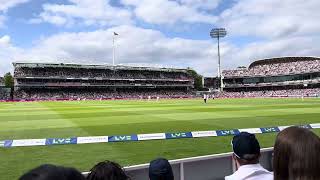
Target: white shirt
[[251, 172]]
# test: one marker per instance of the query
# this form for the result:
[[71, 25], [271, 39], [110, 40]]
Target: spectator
[[106, 73], [52, 172], [246, 153], [307, 92], [129, 81], [107, 170], [269, 68], [52, 94], [296, 155], [160, 169]]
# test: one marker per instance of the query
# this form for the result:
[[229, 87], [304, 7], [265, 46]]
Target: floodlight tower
[[218, 33], [114, 47]]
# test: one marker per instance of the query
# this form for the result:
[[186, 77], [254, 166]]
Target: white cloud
[[53, 19], [102, 13], [284, 28], [146, 46], [8, 50], [272, 18], [169, 12], [5, 40], [201, 4], [7, 4], [134, 45], [7, 53], [84, 12], [291, 46]]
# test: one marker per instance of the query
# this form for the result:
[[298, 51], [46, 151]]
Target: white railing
[[210, 167]]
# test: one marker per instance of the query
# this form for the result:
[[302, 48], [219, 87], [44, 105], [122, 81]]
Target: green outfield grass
[[93, 118]]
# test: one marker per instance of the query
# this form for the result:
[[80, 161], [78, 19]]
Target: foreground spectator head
[[246, 148], [160, 169], [52, 172], [107, 170], [246, 154], [296, 155]]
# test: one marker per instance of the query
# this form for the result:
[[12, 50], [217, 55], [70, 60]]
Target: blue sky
[[156, 32]]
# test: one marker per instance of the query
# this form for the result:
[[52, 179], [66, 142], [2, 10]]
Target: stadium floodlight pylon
[[113, 47], [218, 33]]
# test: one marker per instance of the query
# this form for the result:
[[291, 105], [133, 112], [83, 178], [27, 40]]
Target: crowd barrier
[[142, 137], [209, 167]]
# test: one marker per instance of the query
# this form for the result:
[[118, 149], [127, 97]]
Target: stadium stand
[[4, 92], [211, 82], [1, 82], [277, 66], [276, 77], [74, 81]]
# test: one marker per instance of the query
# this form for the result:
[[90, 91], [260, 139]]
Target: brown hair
[[296, 155]]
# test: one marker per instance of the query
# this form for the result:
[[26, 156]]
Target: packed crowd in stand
[[1, 81], [295, 157], [51, 94], [273, 69], [4, 94], [312, 92], [128, 79], [86, 82], [297, 82], [83, 83], [98, 73], [76, 94]]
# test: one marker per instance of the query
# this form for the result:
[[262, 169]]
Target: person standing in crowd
[[160, 169], [246, 153], [52, 172], [296, 155], [107, 170]]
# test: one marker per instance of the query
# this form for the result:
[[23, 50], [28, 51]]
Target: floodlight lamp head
[[218, 33]]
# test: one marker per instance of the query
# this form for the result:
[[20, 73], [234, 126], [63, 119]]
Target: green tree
[[8, 80], [197, 79]]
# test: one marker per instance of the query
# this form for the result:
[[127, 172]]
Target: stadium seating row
[[116, 73], [96, 93], [269, 68], [307, 92]]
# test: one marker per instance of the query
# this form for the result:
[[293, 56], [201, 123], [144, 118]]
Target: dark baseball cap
[[245, 143], [160, 169]]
